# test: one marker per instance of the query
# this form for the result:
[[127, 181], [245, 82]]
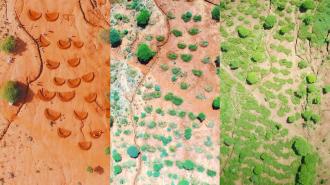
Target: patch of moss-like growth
[[144, 53], [143, 17], [10, 92], [188, 165], [183, 182], [133, 151], [8, 44]]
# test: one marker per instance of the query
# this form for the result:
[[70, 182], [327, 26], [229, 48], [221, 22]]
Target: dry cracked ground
[[165, 130], [58, 131]]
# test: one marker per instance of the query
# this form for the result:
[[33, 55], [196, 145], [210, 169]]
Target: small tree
[[143, 18], [243, 32], [115, 38], [216, 103], [216, 13], [311, 78], [301, 147], [144, 53], [252, 78], [8, 44], [133, 151], [269, 22], [186, 17], [307, 5], [10, 92]]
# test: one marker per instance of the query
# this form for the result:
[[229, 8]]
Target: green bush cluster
[[144, 53], [326, 89], [188, 165], [193, 31], [10, 92], [160, 38], [187, 133], [216, 13], [176, 32], [301, 147], [311, 78], [186, 17], [115, 38], [143, 17], [216, 103], [192, 47], [307, 5], [197, 72], [133, 151], [181, 45], [201, 117], [8, 44], [197, 18], [252, 78], [174, 99], [116, 156], [186, 57], [172, 56], [117, 169], [243, 32], [270, 21]]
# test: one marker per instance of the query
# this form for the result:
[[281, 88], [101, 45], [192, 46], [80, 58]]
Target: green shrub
[[174, 99], [143, 17], [170, 15], [197, 72], [186, 57], [197, 18], [8, 44], [257, 57], [315, 118], [270, 21], [302, 64], [216, 13], [193, 31], [172, 56], [291, 119], [181, 45], [144, 53], [307, 5], [160, 38], [164, 67], [234, 64], [187, 133], [133, 151], [10, 92], [306, 115], [326, 89], [301, 147], [311, 78], [184, 85], [117, 169], [252, 78], [192, 47], [176, 33], [186, 17], [216, 103], [203, 43], [188, 165], [243, 32], [201, 117], [211, 173], [116, 156], [183, 182], [115, 38]]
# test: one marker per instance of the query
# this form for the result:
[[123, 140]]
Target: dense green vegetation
[[115, 38], [143, 17], [8, 44], [10, 91], [144, 53]]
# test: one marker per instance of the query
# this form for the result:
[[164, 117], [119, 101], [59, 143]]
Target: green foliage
[[117, 169], [176, 33], [197, 18], [307, 5], [143, 17], [186, 57], [187, 133], [174, 99], [216, 13], [302, 64], [326, 89], [192, 47], [10, 92], [183, 182], [252, 78], [197, 72], [188, 165], [116, 156], [193, 31], [311, 78], [216, 103], [307, 171], [8, 44], [301, 147], [186, 17], [115, 38], [144, 53], [243, 32], [201, 117], [184, 85], [211, 173], [172, 56], [270, 21], [234, 64], [182, 45], [291, 119], [133, 151], [160, 38]]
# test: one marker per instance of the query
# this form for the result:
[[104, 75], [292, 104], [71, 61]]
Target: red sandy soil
[[56, 131]]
